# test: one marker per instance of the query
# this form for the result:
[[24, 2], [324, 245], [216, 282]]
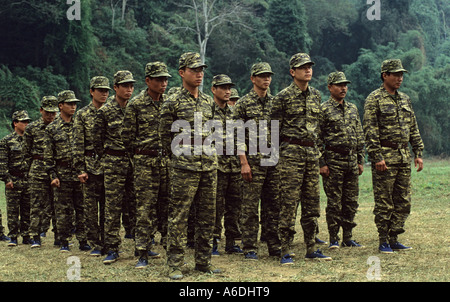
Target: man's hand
[[325, 171], [418, 162], [360, 169], [9, 185], [55, 183], [83, 178], [246, 172], [381, 166]]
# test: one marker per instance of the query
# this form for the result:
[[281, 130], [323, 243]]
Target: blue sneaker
[[317, 255], [142, 263], [153, 255], [95, 253], [400, 247], [3, 237], [351, 243], [287, 260], [235, 249], [111, 257], [385, 248], [12, 242], [35, 243], [334, 245], [319, 241], [215, 251], [64, 249], [251, 256]]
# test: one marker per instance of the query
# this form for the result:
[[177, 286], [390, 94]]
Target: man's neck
[[390, 90], [65, 117], [122, 102], [154, 95], [220, 103], [97, 104], [302, 85], [192, 89], [260, 92], [19, 132]]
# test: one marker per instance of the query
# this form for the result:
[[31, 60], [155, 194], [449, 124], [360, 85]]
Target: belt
[[386, 143], [64, 163], [17, 173], [89, 153], [339, 150], [115, 152], [40, 157], [300, 142], [150, 152]]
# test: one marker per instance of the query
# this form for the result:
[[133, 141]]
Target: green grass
[[427, 231]]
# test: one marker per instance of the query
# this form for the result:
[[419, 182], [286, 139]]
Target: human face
[[47, 116], [222, 93], [303, 73], [124, 91], [100, 95], [393, 81], [67, 109], [192, 77], [262, 81], [20, 126], [338, 91], [157, 86]]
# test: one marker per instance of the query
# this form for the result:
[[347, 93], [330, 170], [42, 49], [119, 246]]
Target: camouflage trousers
[[392, 195], [191, 188], [42, 207], [163, 202], [94, 209], [342, 189], [18, 208], [69, 211], [228, 206], [146, 186], [119, 199], [299, 186], [262, 191]]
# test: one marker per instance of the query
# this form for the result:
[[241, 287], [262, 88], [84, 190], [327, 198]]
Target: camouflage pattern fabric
[[85, 160], [118, 173], [41, 193], [58, 158], [341, 129], [298, 114], [140, 135], [17, 198], [264, 187], [390, 120]]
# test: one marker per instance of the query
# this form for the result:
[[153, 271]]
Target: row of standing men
[[113, 160]]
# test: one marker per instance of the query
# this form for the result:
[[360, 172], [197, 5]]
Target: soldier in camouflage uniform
[[116, 162], [87, 164], [12, 172], [41, 193], [341, 161], [229, 179], [297, 108], [58, 159], [389, 125], [194, 167], [140, 135], [261, 182], [234, 97]]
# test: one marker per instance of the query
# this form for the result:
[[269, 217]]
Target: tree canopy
[[43, 52]]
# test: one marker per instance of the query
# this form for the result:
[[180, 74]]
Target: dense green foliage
[[42, 52]]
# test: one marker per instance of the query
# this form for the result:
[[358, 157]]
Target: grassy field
[[427, 232]]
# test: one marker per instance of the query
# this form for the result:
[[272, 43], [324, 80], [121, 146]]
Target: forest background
[[49, 46]]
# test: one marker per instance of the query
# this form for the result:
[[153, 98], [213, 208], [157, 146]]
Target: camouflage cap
[[50, 103], [191, 60], [156, 69], [392, 65], [67, 96], [260, 68], [234, 94], [21, 115], [337, 77], [221, 79], [123, 76], [99, 82], [300, 59]]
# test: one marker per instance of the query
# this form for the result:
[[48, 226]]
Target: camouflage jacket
[[341, 128], [181, 108], [140, 130], [226, 163], [33, 150], [84, 156], [390, 119], [299, 115], [58, 150], [11, 166], [108, 127], [253, 108]]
